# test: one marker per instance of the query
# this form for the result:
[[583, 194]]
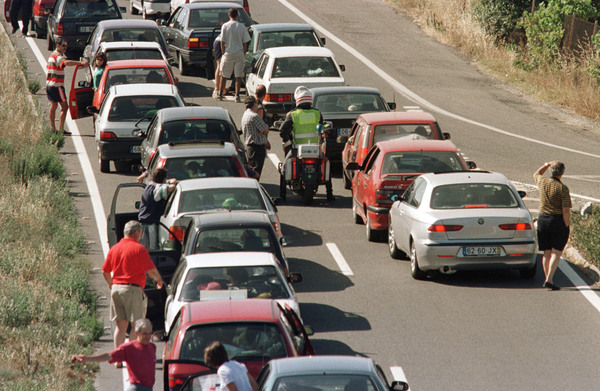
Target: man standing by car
[[154, 201], [255, 131], [124, 270], [234, 43], [55, 83], [25, 6], [554, 218]]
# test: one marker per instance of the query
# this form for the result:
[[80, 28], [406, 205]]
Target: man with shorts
[[234, 43], [553, 219], [55, 83], [128, 262]]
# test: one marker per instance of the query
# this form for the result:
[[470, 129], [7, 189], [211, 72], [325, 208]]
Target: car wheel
[[347, 181], [184, 70], [526, 272], [357, 219], [50, 43], [415, 271], [373, 235], [132, 9], [308, 195], [282, 188], [104, 164], [395, 252]]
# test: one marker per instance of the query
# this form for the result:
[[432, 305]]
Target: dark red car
[[389, 167], [254, 331]]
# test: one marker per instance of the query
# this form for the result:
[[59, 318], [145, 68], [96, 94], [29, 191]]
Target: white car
[[229, 275], [132, 50], [127, 107], [241, 3], [282, 69], [154, 8]]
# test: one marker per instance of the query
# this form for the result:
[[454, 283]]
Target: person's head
[[233, 13], [250, 102], [153, 77], [557, 169], [143, 331], [261, 92], [215, 355], [133, 230], [159, 175], [303, 96], [61, 45], [100, 60], [236, 274]]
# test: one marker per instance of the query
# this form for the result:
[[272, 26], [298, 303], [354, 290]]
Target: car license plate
[[344, 131], [481, 251], [85, 29], [309, 169], [136, 149]]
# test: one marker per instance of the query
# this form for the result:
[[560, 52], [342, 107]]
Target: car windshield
[[195, 129], [133, 108], [344, 103], [473, 195], [212, 17], [212, 166], [211, 283], [420, 162], [255, 341], [133, 54], [304, 67], [88, 9], [329, 382], [408, 131], [270, 39], [221, 199], [136, 76], [234, 239], [131, 34]]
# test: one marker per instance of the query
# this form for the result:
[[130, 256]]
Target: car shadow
[[298, 237], [330, 346], [325, 318], [328, 281], [191, 90]]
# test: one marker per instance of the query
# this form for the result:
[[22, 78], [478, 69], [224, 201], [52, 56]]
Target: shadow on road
[[329, 346], [191, 90], [325, 318], [328, 280], [298, 237]]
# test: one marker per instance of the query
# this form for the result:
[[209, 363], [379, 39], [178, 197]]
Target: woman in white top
[[234, 375]]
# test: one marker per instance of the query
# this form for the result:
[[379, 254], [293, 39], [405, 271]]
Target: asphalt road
[[468, 331]]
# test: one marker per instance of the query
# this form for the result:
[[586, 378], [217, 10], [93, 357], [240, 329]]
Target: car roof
[[227, 219], [209, 5], [196, 149], [344, 90], [208, 112], [130, 44], [299, 51], [263, 27], [127, 23], [231, 259], [437, 179], [322, 365], [229, 310], [139, 63], [397, 116], [219, 182], [398, 145], [151, 89]]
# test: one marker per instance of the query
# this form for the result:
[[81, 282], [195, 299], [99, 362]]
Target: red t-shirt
[[128, 261], [140, 359]]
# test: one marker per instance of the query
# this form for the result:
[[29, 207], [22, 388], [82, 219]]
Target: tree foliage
[[499, 17]]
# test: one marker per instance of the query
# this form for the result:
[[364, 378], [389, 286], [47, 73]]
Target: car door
[[168, 32], [361, 181], [171, 308], [203, 380], [255, 78], [349, 153], [81, 94], [299, 330], [407, 212], [180, 35], [147, 146]]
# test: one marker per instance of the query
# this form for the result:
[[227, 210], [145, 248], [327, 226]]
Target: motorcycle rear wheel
[[308, 194]]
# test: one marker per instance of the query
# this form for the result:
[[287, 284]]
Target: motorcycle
[[305, 170]]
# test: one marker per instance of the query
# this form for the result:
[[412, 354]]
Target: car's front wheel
[[355, 216], [347, 181], [415, 270]]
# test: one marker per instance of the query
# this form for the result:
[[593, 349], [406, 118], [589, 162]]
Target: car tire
[[395, 252], [184, 69], [308, 195], [132, 9], [50, 42], [526, 272], [282, 188], [373, 235], [347, 181], [415, 270], [355, 216], [104, 164]]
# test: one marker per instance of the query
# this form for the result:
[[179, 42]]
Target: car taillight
[[294, 175], [152, 155], [197, 43], [246, 6], [108, 136], [444, 228], [278, 97], [175, 382], [178, 231], [515, 227], [60, 29], [161, 163], [309, 161], [276, 227], [382, 197]]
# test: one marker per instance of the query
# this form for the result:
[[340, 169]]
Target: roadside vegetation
[[518, 47], [585, 235], [47, 312]]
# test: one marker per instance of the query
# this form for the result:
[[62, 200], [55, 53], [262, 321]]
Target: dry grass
[[451, 22]]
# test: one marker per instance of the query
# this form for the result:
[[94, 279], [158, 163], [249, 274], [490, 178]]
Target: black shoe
[[551, 286], [14, 30], [330, 197], [67, 133]]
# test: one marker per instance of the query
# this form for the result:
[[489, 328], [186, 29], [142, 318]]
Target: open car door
[[201, 381], [7, 10], [161, 243], [299, 329], [81, 93]]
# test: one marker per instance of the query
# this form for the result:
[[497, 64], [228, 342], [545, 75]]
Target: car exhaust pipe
[[447, 270]]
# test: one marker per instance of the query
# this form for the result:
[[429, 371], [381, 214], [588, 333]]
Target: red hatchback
[[371, 128], [388, 169], [254, 331]]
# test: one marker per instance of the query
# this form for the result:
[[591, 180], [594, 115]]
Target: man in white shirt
[[234, 43]]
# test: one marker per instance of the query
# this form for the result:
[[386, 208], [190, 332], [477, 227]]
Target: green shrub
[[34, 86], [38, 160], [585, 235], [499, 17]]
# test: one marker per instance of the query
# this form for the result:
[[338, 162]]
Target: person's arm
[[261, 125], [108, 279], [222, 46], [543, 168], [253, 383], [286, 128], [156, 277], [232, 387], [566, 216], [69, 63], [95, 358], [245, 47]]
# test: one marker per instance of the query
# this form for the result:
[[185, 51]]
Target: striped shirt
[[252, 125], [55, 70], [554, 195]]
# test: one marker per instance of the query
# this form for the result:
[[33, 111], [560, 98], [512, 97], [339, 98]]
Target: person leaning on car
[[124, 270], [554, 218], [255, 131]]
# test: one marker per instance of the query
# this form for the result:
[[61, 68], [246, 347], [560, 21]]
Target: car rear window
[[213, 166], [473, 195], [195, 129], [304, 67], [212, 17], [133, 54], [421, 162], [132, 108], [89, 9], [221, 199], [286, 38], [136, 76], [409, 131], [325, 381], [343, 103], [131, 34], [234, 239]]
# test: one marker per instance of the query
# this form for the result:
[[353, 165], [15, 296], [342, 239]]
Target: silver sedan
[[464, 220]]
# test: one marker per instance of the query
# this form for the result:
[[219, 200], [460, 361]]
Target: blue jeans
[[138, 387]]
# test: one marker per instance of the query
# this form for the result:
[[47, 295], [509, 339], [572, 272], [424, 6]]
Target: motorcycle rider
[[300, 127]]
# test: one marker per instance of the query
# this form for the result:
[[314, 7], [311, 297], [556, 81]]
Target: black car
[[74, 20], [340, 106], [191, 31], [123, 30]]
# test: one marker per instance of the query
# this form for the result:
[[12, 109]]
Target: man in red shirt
[[128, 262], [139, 354]]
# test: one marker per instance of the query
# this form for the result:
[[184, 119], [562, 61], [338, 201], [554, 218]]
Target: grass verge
[[47, 312], [585, 235]]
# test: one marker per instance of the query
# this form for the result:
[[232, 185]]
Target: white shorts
[[232, 63]]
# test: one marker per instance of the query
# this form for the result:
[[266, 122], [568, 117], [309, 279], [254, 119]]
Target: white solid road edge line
[[339, 259], [587, 291], [274, 159]]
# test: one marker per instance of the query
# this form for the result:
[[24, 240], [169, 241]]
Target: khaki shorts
[[232, 64], [127, 302]]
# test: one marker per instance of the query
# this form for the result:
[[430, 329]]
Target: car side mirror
[[138, 133], [343, 68], [521, 193], [138, 204], [84, 84], [283, 241], [323, 41], [160, 336], [398, 385], [295, 277], [343, 139], [277, 200], [161, 22], [471, 165], [352, 166], [446, 135], [82, 42], [392, 105], [350, 139], [123, 10], [92, 110], [308, 330]]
